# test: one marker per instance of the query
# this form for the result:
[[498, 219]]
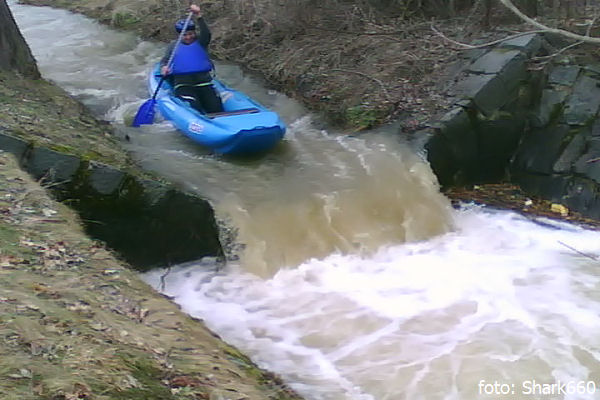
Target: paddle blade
[[145, 114]]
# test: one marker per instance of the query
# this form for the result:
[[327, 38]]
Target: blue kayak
[[244, 127]]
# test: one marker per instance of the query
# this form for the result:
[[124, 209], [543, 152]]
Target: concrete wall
[[148, 222]]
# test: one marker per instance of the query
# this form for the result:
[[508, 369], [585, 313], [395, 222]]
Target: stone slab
[[13, 145], [104, 179], [495, 61], [530, 44], [540, 149], [582, 105], [564, 75], [550, 105], [51, 165], [488, 92], [570, 154], [589, 163]]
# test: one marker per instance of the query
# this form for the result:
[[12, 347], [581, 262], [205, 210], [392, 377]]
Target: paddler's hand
[[165, 70], [195, 10]]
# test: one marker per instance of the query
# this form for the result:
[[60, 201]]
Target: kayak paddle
[[145, 114]]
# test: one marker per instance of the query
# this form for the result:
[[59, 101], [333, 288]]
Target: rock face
[[559, 158], [475, 141], [537, 129], [15, 54]]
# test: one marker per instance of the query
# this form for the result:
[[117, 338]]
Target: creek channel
[[349, 274]]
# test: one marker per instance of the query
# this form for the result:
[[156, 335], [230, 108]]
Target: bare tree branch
[[548, 57], [587, 39], [579, 252], [479, 46]]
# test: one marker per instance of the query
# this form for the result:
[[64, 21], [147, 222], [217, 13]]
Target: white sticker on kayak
[[226, 96], [196, 127]]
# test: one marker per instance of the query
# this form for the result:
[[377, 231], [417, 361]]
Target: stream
[[349, 274]]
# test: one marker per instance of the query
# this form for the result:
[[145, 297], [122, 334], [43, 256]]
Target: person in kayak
[[190, 71]]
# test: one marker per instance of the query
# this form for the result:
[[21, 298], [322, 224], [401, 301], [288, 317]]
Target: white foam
[[500, 292]]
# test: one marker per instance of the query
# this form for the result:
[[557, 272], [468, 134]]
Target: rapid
[[349, 274]]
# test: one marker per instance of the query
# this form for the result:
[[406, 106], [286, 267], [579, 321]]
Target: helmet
[[181, 23]]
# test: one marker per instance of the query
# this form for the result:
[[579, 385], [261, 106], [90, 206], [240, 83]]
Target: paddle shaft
[[172, 56]]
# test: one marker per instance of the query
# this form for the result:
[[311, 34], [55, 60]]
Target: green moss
[[363, 117], [92, 155], [251, 369], [63, 149], [9, 238], [148, 378], [124, 19]]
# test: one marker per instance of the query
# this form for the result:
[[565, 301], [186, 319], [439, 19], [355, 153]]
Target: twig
[[588, 31], [548, 57], [562, 32], [403, 31], [587, 34], [163, 277], [479, 46], [385, 92], [579, 252]]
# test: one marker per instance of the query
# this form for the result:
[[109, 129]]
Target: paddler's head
[[190, 32]]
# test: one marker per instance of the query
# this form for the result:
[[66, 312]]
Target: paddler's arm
[[165, 59], [202, 31]]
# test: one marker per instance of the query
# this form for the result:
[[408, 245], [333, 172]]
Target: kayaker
[[191, 67]]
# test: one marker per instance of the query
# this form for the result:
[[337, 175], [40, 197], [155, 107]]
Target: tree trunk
[[15, 54]]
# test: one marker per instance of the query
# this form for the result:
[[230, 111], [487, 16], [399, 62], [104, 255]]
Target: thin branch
[[579, 252], [163, 278], [591, 25], [540, 58], [403, 31], [385, 92], [479, 46], [587, 39]]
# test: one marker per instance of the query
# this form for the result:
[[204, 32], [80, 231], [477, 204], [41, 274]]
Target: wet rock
[[529, 44], [564, 75], [582, 106], [104, 179], [13, 145], [540, 149], [551, 103], [50, 165]]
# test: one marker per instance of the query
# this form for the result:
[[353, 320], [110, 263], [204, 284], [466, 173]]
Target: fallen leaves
[[510, 197], [9, 261], [559, 209], [54, 255]]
